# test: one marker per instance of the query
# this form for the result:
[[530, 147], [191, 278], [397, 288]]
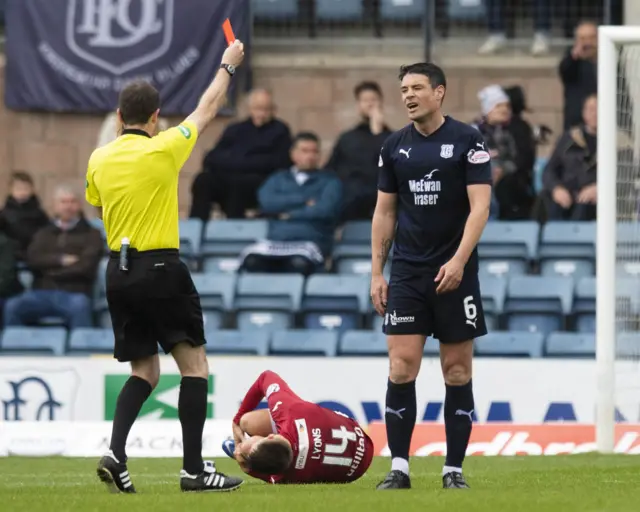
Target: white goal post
[[616, 65]]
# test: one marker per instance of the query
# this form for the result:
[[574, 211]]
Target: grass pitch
[[571, 483]]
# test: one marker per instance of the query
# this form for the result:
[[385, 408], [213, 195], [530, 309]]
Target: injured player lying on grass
[[295, 441]]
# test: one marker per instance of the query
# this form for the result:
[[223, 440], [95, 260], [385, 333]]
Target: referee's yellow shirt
[[135, 181]]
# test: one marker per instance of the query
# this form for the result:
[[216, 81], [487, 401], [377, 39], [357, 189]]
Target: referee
[[133, 182]]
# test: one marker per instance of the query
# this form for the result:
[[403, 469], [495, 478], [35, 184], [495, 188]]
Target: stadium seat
[[352, 255], [568, 249], [584, 305], [628, 268], [627, 303], [89, 341], [628, 345], [431, 347], [510, 344], [501, 268], [394, 10], [493, 290], [363, 343], [461, 10], [274, 9], [628, 240], [267, 300], [230, 237], [216, 296], [31, 341], [514, 244], [305, 343], [339, 10], [100, 306], [538, 304], [214, 265], [569, 344], [335, 301], [254, 343], [190, 238]]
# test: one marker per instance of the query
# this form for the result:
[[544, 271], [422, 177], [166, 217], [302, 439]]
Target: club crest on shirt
[[446, 151]]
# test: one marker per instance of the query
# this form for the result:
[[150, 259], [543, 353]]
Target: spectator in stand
[[570, 191], [355, 155], [304, 203], [497, 32], [64, 258], [246, 154], [513, 194], [579, 72], [22, 215], [9, 283]]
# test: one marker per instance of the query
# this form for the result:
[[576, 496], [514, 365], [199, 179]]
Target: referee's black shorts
[[154, 302]]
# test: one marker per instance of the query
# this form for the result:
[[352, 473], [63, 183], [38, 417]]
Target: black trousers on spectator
[[234, 193], [272, 265], [576, 211]]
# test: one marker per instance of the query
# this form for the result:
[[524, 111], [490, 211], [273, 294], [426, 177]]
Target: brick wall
[[56, 147]]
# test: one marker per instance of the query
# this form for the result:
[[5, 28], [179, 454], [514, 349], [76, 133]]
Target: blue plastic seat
[[493, 291], [305, 343], [569, 344], [627, 302], [460, 10], [267, 300], [584, 305], [538, 304], [512, 243], [363, 343], [510, 344], [342, 10], [221, 265], [274, 9], [628, 240], [236, 342], [88, 341], [501, 268], [335, 301], [230, 237], [190, 238], [402, 9], [568, 248], [216, 296], [628, 345], [32, 341]]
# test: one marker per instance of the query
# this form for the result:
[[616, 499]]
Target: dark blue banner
[[76, 55]]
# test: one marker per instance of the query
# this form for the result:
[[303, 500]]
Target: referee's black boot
[[454, 480], [395, 480], [114, 474], [209, 480]]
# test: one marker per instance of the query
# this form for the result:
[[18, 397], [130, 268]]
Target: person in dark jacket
[[355, 155], [22, 215], [64, 258], [569, 179], [579, 72], [304, 204], [246, 154], [9, 283]]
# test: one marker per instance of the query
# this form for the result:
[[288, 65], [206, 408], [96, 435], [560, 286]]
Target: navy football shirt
[[430, 175]]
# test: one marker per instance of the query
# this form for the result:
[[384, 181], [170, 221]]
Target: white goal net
[[618, 240]]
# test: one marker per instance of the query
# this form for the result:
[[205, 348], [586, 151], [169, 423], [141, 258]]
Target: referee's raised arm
[[216, 94]]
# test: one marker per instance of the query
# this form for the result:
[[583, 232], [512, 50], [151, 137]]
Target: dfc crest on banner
[[119, 36]]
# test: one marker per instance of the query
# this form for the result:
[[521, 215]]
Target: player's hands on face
[[562, 196], [379, 289], [234, 54], [449, 276], [588, 195], [238, 434]]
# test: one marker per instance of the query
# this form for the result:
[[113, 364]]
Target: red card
[[228, 32]]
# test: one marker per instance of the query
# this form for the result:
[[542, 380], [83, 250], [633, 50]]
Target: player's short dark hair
[[21, 176], [138, 101], [434, 73], [270, 458], [367, 85], [306, 136]]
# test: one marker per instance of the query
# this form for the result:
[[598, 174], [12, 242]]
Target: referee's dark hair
[[434, 73], [138, 101], [306, 136], [367, 86], [270, 457]]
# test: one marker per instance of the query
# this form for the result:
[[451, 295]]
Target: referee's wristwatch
[[229, 68]]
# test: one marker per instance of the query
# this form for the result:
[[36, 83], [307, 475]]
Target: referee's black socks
[[192, 410], [458, 421], [133, 395], [400, 418]]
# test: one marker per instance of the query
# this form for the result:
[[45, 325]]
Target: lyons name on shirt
[[425, 191]]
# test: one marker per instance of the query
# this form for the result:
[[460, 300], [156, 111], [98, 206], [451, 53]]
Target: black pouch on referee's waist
[[123, 264]]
